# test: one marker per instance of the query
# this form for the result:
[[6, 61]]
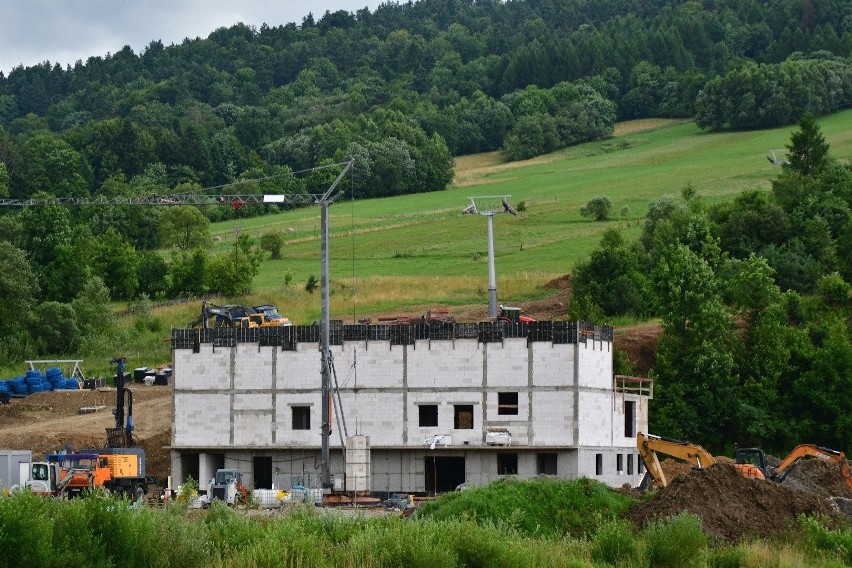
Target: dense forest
[[752, 294], [754, 299]]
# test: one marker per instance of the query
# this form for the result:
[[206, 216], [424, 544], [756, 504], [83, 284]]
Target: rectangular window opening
[[507, 403], [640, 465], [629, 418], [629, 464], [301, 418], [598, 464], [428, 415], [507, 464], [546, 464], [463, 417], [619, 462]]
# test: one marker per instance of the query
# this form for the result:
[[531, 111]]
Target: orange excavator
[[751, 462]]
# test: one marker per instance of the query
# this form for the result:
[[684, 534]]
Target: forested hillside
[[753, 295]]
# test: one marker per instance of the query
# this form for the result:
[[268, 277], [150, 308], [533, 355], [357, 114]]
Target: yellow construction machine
[[649, 446], [751, 462]]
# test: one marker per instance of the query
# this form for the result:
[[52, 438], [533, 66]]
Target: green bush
[[820, 539], [675, 542], [614, 543], [725, 557]]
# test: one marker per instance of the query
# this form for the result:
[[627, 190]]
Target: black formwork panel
[[540, 331], [378, 333], [224, 336], [564, 332], [467, 331], [515, 329], [355, 332], [248, 335], [491, 331], [184, 338], [307, 333], [401, 334], [270, 336], [441, 331]]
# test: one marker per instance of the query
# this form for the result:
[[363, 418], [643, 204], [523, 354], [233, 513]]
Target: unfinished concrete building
[[424, 408]]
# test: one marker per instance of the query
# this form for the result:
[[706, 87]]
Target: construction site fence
[[288, 337]]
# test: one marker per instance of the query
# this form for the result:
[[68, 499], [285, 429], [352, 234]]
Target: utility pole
[[490, 205]]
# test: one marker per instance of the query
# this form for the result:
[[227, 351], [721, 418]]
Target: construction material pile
[[733, 508]]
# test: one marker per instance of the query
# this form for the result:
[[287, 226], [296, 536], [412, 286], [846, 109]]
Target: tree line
[[754, 299], [407, 86]]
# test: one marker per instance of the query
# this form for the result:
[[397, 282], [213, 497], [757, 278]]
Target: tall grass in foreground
[[102, 532]]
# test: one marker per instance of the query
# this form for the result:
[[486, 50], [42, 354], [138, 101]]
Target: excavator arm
[[649, 445], [809, 450]]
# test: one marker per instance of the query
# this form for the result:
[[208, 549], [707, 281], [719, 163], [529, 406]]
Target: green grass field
[[419, 250]]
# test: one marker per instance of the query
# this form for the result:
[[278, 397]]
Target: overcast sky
[[64, 31]]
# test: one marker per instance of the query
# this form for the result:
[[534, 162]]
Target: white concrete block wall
[[508, 363], [215, 410], [300, 369], [596, 419], [284, 433], [610, 475], [595, 364], [439, 364], [376, 414], [201, 419], [553, 365], [378, 364], [255, 367], [208, 369], [253, 429], [522, 418], [553, 417]]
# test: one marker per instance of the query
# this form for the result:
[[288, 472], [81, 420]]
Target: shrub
[[597, 207], [675, 542], [614, 543]]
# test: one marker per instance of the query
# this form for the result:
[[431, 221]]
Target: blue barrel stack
[[34, 381]]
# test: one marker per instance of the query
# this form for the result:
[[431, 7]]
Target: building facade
[[418, 409]]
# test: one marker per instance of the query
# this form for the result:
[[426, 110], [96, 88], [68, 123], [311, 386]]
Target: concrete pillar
[[206, 469]]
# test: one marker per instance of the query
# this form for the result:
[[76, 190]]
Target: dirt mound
[[731, 507]]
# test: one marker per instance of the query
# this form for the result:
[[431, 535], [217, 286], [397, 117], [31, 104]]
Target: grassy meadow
[[419, 250], [407, 254]]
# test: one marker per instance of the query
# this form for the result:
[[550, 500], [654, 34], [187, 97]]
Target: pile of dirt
[[732, 507]]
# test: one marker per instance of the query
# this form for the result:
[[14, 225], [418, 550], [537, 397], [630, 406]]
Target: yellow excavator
[[649, 446], [751, 462]]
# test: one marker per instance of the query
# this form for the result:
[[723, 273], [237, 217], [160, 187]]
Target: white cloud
[[65, 31]]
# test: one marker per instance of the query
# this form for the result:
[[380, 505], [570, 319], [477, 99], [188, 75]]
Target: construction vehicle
[[228, 487], [751, 462], [649, 446], [225, 316], [271, 317], [118, 468], [512, 314]]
